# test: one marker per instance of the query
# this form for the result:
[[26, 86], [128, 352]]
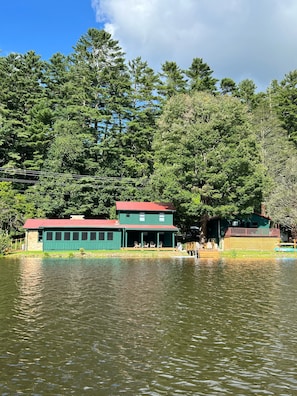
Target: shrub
[[4, 242]]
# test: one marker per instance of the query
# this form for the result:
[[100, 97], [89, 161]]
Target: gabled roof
[[70, 223], [133, 206]]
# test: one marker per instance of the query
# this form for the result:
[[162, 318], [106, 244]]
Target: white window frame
[[161, 217], [142, 216]]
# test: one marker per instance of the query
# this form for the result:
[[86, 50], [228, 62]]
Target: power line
[[32, 177]]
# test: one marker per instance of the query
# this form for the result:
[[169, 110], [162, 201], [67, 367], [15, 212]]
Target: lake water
[[179, 326]]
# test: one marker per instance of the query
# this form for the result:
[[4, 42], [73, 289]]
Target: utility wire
[[32, 177]]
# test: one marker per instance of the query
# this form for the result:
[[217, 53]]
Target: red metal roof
[[71, 223], [144, 206], [32, 224]]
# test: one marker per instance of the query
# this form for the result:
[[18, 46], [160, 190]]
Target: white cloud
[[237, 38]]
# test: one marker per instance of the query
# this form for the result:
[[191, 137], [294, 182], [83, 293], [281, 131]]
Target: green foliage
[[200, 77], [135, 149], [205, 147], [228, 86], [282, 201], [103, 129], [4, 242], [20, 91], [14, 209], [172, 80], [284, 97], [246, 91]]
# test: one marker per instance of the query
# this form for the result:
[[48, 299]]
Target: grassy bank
[[257, 254], [135, 253], [100, 253]]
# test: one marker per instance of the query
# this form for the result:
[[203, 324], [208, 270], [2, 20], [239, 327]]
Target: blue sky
[[44, 26], [240, 39]]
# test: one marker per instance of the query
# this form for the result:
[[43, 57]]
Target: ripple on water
[[144, 327]]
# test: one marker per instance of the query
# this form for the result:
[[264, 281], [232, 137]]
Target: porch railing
[[252, 232], [17, 244]]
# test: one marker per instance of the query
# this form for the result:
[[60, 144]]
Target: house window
[[49, 236], [67, 236], [141, 216], [161, 217], [110, 236], [101, 236], [40, 235], [84, 236], [93, 236], [75, 236], [58, 236]]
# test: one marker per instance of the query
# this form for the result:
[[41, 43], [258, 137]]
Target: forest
[[81, 131]]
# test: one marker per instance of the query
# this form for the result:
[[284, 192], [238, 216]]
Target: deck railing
[[17, 244], [252, 232]]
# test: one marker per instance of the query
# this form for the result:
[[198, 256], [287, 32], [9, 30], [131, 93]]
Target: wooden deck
[[205, 253], [194, 249]]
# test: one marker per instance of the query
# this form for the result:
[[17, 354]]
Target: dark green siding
[[160, 218], [87, 239]]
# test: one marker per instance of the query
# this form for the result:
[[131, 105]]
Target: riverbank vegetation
[[232, 254], [79, 132]]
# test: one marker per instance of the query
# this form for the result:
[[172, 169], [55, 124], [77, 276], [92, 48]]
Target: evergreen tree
[[284, 97], [137, 140], [200, 77], [247, 93], [103, 95], [21, 89], [228, 86], [172, 80]]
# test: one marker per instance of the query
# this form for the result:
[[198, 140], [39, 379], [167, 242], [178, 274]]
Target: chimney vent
[[77, 217]]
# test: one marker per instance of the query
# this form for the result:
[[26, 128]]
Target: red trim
[[33, 224], [70, 223]]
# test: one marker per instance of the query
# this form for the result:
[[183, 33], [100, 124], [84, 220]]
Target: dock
[[196, 250]]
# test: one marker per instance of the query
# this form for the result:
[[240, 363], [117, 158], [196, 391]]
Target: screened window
[[75, 236], [141, 216], [93, 236], [110, 236], [67, 236], [58, 236], [161, 217], [49, 236], [101, 236], [84, 236]]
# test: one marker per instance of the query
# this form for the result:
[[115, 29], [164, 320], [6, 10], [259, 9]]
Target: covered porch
[[149, 237]]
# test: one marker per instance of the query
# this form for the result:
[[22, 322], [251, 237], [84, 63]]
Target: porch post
[[141, 239], [158, 239], [219, 232], [173, 240]]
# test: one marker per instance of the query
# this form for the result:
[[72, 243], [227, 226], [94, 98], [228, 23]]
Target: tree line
[[91, 128]]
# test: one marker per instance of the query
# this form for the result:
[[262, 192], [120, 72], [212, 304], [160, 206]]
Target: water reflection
[[148, 327]]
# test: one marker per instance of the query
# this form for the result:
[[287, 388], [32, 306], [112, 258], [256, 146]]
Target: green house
[[146, 224], [139, 224], [251, 232]]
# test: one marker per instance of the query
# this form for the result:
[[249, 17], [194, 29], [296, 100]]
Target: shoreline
[[246, 254]]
